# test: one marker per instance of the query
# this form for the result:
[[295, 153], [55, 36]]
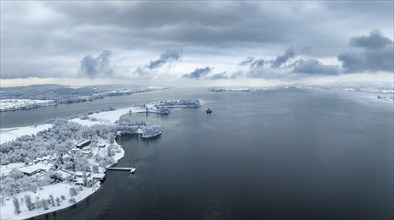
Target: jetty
[[130, 169], [120, 168]]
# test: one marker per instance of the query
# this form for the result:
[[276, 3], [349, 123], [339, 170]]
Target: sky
[[195, 43]]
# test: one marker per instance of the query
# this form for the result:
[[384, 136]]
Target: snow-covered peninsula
[[36, 96], [52, 166]]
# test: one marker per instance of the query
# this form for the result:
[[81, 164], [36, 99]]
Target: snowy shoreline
[[30, 97], [57, 190], [60, 190]]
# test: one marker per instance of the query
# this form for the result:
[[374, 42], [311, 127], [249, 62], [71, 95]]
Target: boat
[[208, 110], [132, 171]]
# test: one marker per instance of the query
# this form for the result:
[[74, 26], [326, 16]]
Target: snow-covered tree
[[110, 151], [38, 203], [17, 207], [52, 200], [73, 192], [72, 201], [15, 174], [84, 178], [29, 203], [44, 204], [95, 169]]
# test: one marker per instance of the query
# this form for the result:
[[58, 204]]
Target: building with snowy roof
[[36, 168]]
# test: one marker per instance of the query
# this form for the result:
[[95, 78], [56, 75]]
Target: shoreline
[[97, 188], [61, 189], [80, 197]]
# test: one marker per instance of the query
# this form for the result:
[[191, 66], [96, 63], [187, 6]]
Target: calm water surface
[[283, 154]]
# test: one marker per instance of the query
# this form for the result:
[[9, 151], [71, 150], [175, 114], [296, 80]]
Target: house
[[79, 181], [87, 153], [42, 159], [74, 150], [66, 175], [80, 174], [98, 176], [83, 144], [87, 148], [66, 157], [36, 168]]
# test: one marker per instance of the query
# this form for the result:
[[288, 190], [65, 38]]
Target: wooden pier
[[120, 168]]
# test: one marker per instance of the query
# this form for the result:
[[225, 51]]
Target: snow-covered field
[[87, 122], [10, 134], [13, 104], [108, 117], [56, 190]]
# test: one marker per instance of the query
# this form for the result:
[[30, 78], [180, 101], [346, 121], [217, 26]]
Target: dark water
[[284, 154]]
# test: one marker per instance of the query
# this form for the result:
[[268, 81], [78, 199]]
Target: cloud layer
[[278, 39]]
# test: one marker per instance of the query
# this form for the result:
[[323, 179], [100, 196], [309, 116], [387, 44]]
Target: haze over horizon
[[195, 43]]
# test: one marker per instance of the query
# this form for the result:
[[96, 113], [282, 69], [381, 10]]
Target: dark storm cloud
[[281, 59], [257, 63], [198, 73], [252, 62], [246, 61], [314, 67], [375, 40], [276, 67], [371, 53], [97, 66], [218, 76], [167, 57]]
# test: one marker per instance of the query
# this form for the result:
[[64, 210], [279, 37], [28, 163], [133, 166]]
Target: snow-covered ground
[[109, 117], [59, 189], [10, 134], [56, 190], [13, 104], [63, 188], [87, 122]]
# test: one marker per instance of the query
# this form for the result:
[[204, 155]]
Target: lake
[[279, 154]]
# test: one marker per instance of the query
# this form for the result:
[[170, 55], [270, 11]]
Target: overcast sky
[[196, 43]]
